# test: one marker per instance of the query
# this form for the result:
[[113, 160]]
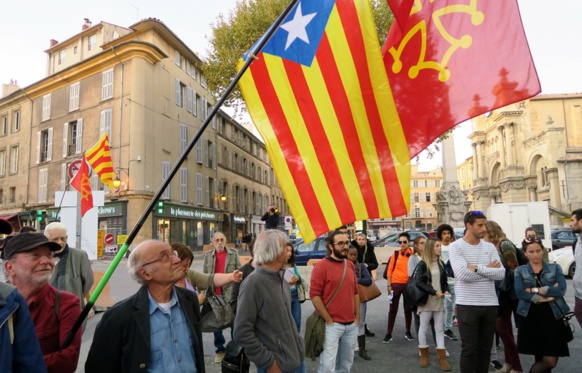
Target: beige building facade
[[143, 87], [423, 188], [530, 151], [465, 176]]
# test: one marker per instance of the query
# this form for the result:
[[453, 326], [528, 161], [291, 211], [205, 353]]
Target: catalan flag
[[81, 182], [451, 60], [318, 94], [99, 157]]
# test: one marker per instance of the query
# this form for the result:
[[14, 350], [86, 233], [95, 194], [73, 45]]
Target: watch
[[535, 290]]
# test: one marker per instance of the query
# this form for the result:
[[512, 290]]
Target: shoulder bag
[[300, 286], [315, 326], [412, 293], [216, 313], [367, 293]]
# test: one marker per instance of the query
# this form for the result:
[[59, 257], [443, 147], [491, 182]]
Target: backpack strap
[[11, 329], [58, 303], [340, 284]]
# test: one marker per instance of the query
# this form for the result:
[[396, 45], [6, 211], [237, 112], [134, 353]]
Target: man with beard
[[477, 266], [29, 265], [156, 329], [334, 294], [576, 225]]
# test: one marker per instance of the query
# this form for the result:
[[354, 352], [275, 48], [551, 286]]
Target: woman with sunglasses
[[542, 332], [431, 278]]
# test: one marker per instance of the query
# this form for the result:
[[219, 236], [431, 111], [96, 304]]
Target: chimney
[[86, 25], [53, 42]]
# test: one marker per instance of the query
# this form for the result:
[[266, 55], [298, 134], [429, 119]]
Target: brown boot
[[423, 356], [442, 359]]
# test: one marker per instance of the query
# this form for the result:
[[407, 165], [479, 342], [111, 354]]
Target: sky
[[26, 27]]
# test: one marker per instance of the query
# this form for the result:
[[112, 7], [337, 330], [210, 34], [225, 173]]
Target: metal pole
[[259, 46]]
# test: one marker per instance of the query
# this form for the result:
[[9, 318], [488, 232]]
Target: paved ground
[[398, 356]]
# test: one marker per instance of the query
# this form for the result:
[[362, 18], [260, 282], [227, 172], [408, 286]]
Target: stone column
[[555, 198], [475, 163], [533, 196], [508, 146], [482, 170], [502, 134]]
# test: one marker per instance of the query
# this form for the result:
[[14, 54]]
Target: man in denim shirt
[[155, 330]]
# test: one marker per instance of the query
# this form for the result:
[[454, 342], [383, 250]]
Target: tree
[[234, 34]]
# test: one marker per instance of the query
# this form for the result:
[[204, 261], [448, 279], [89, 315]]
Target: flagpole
[[259, 46]]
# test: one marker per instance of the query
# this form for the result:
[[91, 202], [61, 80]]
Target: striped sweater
[[475, 288]]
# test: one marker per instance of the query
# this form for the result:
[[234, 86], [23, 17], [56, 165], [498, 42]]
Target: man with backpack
[[397, 276]]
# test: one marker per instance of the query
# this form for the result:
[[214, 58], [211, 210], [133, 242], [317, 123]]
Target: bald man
[[156, 329]]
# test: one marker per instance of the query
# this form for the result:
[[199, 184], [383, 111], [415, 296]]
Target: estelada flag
[[99, 157], [81, 182], [319, 96], [451, 60]]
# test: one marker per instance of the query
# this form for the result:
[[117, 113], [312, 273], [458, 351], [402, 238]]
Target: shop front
[[239, 228], [192, 227]]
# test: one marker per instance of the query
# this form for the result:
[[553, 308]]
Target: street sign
[[288, 220], [100, 242], [74, 167], [109, 239]]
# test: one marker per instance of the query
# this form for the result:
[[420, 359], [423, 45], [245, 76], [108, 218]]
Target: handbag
[[216, 313], [300, 286], [315, 326], [367, 293], [412, 292], [235, 360]]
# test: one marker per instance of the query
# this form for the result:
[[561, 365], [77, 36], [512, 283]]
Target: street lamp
[[117, 181]]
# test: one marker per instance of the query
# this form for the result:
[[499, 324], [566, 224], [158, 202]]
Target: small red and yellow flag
[[99, 157]]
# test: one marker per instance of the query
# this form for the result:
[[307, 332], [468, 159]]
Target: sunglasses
[[476, 212], [402, 242]]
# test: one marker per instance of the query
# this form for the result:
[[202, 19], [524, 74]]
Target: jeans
[[338, 348], [504, 330], [296, 309], [450, 308], [476, 328], [425, 317], [362, 324], [219, 342], [398, 290], [301, 369]]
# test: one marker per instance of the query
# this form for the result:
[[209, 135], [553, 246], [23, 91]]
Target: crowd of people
[[482, 282]]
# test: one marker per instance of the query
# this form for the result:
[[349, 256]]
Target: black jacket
[[271, 221], [370, 257], [423, 278], [121, 342]]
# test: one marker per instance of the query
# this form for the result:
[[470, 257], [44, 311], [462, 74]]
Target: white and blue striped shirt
[[475, 288]]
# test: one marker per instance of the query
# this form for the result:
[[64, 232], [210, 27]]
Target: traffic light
[[160, 207], [39, 214]]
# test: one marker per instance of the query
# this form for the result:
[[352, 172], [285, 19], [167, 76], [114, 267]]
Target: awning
[[13, 221]]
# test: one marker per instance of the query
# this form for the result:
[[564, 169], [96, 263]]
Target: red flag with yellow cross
[[81, 182]]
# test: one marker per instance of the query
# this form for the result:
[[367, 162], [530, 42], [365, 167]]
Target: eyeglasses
[[165, 257], [219, 239], [403, 242], [342, 243]]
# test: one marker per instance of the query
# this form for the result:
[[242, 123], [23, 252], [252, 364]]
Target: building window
[[198, 188], [91, 42], [2, 163], [427, 197], [75, 50], [62, 56], [429, 212], [177, 58], [199, 150], [165, 174], [220, 121], [203, 81], [12, 196], [437, 183], [107, 84], [180, 93], [416, 197], [426, 183], [417, 213], [183, 137], [207, 194], [42, 185], [46, 107], [73, 138], [190, 92], [105, 125], [184, 184], [415, 183], [74, 96], [44, 146], [14, 159], [210, 155], [4, 125], [16, 121]]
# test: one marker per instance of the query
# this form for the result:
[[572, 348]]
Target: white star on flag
[[296, 27]]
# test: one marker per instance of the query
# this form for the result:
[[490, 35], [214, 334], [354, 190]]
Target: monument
[[451, 202]]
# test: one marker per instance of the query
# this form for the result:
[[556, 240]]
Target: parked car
[[564, 257], [562, 238], [459, 232], [314, 250], [391, 239]]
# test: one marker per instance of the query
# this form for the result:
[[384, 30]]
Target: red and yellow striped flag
[[99, 157], [319, 96]]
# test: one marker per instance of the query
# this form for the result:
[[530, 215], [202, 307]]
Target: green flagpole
[[259, 46]]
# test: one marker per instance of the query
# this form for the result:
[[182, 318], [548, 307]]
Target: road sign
[[109, 239], [74, 167], [288, 222]]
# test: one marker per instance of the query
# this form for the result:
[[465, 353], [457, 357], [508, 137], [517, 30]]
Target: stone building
[[143, 86], [465, 176], [530, 151], [423, 189]]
